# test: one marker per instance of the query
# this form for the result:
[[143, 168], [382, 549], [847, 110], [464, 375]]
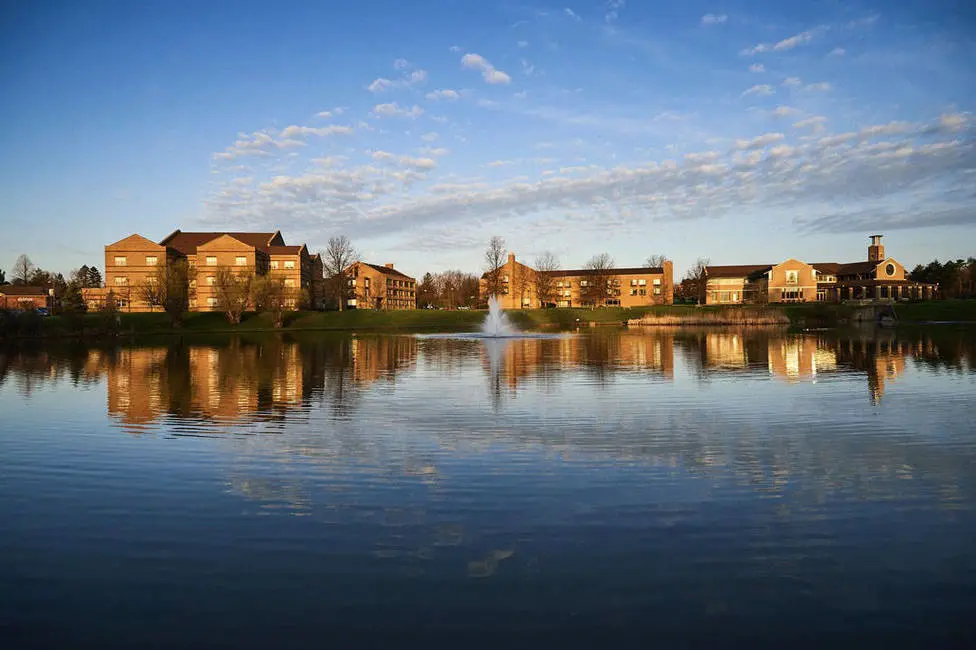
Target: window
[[240, 261], [151, 260], [583, 283], [120, 261], [643, 292], [504, 278], [289, 282], [657, 291], [289, 264], [211, 280], [211, 302], [633, 283], [642, 282], [890, 269], [792, 277], [274, 265], [657, 282], [121, 281], [352, 282], [211, 260]]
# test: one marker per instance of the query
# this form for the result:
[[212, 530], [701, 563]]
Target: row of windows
[[289, 264], [151, 260]]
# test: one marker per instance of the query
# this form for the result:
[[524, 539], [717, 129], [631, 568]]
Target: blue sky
[[739, 131]]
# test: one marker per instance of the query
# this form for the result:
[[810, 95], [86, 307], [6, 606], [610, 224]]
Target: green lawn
[[809, 315]]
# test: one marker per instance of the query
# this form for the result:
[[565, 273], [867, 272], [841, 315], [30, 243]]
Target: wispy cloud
[[792, 81], [444, 93], [759, 89], [572, 14], [810, 121], [713, 19], [785, 111], [758, 142], [295, 131], [613, 10], [395, 110], [787, 43], [757, 67], [838, 51], [488, 72], [820, 86], [409, 79]]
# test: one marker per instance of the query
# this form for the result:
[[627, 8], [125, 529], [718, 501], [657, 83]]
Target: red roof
[[187, 242]]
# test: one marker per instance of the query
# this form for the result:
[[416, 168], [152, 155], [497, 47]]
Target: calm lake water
[[598, 489]]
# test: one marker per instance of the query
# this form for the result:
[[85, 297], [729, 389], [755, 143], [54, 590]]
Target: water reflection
[[265, 380]]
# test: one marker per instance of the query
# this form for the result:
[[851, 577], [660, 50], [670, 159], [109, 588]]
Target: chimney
[[511, 258], [876, 252], [389, 265]]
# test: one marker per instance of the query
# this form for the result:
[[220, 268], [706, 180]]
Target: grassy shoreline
[[800, 315]]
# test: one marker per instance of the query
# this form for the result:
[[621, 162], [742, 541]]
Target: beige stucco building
[[879, 277], [625, 287]]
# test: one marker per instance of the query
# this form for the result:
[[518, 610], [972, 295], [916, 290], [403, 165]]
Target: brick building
[[625, 287]]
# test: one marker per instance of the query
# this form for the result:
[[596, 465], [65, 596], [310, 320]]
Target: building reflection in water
[[242, 380]]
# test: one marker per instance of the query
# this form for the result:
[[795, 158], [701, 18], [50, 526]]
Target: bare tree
[[697, 279], [545, 267], [450, 285], [336, 258], [656, 261], [22, 271], [494, 261], [270, 296], [598, 280], [233, 291], [168, 288]]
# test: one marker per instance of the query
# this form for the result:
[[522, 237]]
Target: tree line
[[956, 279]]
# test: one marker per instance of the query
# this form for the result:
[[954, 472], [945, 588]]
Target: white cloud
[[821, 86], [810, 121], [382, 156], [414, 78], [758, 142], [454, 48], [786, 44], [436, 151], [444, 93], [911, 174], [429, 137], [394, 109], [713, 19], [792, 81], [423, 164], [324, 114], [785, 111], [838, 51], [757, 67], [613, 10], [401, 64], [259, 143], [572, 14], [305, 131], [488, 72], [759, 89], [789, 43], [527, 68]]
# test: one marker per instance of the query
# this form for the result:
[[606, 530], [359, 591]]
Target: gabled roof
[[134, 239], [387, 270], [829, 268], [285, 250], [857, 267], [22, 290], [187, 242], [736, 270]]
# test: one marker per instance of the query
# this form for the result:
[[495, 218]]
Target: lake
[[600, 488]]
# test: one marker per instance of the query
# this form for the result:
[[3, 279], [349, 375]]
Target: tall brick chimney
[[876, 251], [389, 265]]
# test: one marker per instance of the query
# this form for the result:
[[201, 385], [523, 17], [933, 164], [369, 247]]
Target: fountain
[[497, 325]]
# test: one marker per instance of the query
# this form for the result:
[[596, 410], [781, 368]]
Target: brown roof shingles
[[22, 290], [388, 270], [735, 270], [188, 242]]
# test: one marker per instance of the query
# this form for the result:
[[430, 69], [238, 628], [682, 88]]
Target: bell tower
[[876, 251]]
